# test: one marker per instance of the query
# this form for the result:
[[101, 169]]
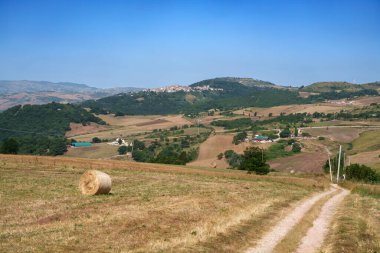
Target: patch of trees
[[239, 137], [365, 114], [278, 149], [285, 133], [254, 160], [333, 95], [361, 173], [40, 129], [178, 151], [244, 123], [232, 124]]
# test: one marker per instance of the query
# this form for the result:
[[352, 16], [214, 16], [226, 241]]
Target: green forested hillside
[[231, 94], [40, 129], [250, 82], [227, 93]]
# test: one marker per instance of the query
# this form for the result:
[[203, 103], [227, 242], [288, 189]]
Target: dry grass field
[[366, 149], [368, 141], [97, 151], [356, 227], [130, 125], [214, 145], [310, 160], [308, 108], [152, 208], [78, 129], [366, 101], [341, 135]]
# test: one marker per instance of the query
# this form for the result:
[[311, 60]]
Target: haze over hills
[[218, 93], [340, 86], [233, 91], [41, 92]]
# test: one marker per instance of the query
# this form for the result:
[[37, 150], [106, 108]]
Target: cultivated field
[[310, 160], [341, 135], [131, 125], [152, 208], [78, 129], [97, 151], [214, 145], [288, 109], [366, 149]]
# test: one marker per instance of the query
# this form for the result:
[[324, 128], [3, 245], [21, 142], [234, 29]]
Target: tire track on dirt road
[[277, 233]]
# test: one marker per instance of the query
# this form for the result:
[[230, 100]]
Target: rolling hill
[[218, 93], [40, 129], [224, 94], [340, 86], [41, 92]]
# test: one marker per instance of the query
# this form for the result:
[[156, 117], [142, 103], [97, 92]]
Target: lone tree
[[122, 150], [254, 160], [9, 146], [285, 133]]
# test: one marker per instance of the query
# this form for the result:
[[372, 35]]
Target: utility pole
[[132, 148], [340, 152], [344, 165], [331, 176], [328, 155]]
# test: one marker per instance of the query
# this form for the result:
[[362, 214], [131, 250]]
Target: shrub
[[296, 147], [9, 146], [96, 140], [321, 138], [254, 159], [119, 114], [220, 156], [122, 150], [285, 133], [228, 153], [361, 173], [239, 138]]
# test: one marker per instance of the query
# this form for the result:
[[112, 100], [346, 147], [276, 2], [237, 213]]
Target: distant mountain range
[[222, 92], [41, 92]]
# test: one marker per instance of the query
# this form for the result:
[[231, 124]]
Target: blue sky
[[156, 43]]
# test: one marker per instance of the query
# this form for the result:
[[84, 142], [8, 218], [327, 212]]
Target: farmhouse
[[120, 142], [261, 138]]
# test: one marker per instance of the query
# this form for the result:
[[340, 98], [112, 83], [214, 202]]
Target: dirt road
[[314, 237]]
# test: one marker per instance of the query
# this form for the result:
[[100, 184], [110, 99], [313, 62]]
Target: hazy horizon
[[149, 43]]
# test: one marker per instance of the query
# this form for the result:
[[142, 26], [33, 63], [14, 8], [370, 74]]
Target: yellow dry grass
[[370, 158], [131, 125], [368, 141], [356, 226], [341, 135], [97, 151], [288, 109], [152, 208], [214, 145]]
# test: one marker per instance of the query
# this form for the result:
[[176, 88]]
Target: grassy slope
[[151, 208], [356, 227], [366, 149], [368, 141]]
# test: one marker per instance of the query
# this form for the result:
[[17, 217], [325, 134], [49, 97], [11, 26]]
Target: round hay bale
[[94, 182]]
